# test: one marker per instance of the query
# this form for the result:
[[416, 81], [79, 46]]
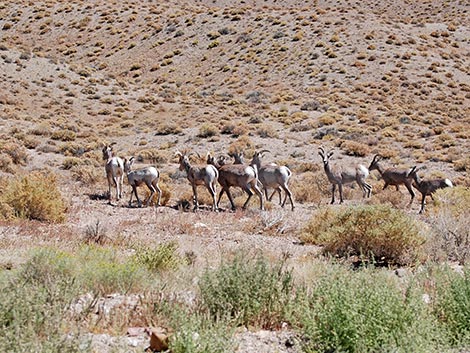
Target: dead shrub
[[64, 135], [86, 174], [152, 155], [354, 148], [17, 153], [310, 187], [243, 143], [266, 130], [168, 129], [389, 196], [6, 163], [450, 224], [35, 196], [208, 130]]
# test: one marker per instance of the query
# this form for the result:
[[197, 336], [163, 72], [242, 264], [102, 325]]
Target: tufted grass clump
[[251, 291], [376, 233], [163, 257], [367, 311], [34, 196]]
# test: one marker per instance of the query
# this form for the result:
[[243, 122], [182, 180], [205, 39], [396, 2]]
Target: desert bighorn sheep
[[200, 175], [273, 176], [238, 175], [428, 187], [114, 171], [148, 176], [340, 176], [394, 176]]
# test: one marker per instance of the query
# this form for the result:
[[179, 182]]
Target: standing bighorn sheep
[[394, 176], [114, 171], [339, 176], [148, 176], [273, 176], [238, 175], [428, 187], [200, 175]]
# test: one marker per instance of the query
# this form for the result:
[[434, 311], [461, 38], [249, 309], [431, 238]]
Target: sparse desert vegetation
[[360, 78]]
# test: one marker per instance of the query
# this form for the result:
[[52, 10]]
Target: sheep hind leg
[[288, 193], [250, 194], [212, 190], [258, 192], [152, 192], [159, 197]]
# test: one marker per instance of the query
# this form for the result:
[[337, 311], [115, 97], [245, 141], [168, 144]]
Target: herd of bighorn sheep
[[255, 176]]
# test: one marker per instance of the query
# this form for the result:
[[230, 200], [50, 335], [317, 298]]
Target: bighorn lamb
[[339, 176], [238, 175], [273, 176], [394, 176], [114, 171], [428, 187], [148, 176], [200, 175]]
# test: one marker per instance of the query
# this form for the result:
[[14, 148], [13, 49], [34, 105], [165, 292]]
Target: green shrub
[[163, 257], [105, 271], [249, 290], [366, 311], [198, 333], [453, 306], [34, 305], [374, 232], [35, 196]]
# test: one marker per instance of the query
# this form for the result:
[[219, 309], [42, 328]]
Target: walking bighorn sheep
[[394, 176], [340, 176], [273, 176], [114, 171], [148, 176], [238, 175], [200, 175], [428, 187]]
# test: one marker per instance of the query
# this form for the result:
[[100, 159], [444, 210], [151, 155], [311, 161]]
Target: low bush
[[374, 233], [35, 196], [249, 290]]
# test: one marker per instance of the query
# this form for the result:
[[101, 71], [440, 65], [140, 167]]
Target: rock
[[400, 272], [158, 339]]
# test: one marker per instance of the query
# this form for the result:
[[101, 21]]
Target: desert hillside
[[152, 78]]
